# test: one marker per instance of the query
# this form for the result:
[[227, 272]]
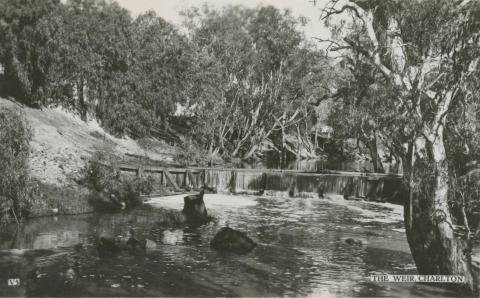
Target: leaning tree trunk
[[434, 246]]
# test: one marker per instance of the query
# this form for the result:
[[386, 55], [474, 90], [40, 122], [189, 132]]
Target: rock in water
[[194, 209], [230, 240], [354, 242], [133, 245], [108, 248], [150, 244]]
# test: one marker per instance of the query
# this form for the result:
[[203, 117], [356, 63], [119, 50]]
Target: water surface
[[301, 252]]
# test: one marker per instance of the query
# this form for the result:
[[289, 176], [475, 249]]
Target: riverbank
[[60, 147]]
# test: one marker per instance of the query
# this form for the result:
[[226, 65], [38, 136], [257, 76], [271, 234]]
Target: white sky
[[169, 10]]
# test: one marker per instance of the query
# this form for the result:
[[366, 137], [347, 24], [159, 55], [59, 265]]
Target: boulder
[[353, 242], [108, 248], [133, 245], [230, 240]]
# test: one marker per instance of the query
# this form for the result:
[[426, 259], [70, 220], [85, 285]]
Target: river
[[301, 251]]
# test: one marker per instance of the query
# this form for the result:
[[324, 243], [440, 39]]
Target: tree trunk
[[299, 149], [434, 247], [250, 152], [82, 105], [283, 153], [376, 160], [241, 143]]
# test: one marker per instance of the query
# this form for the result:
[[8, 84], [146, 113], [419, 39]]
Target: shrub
[[109, 189], [15, 136], [190, 153], [128, 119], [96, 134]]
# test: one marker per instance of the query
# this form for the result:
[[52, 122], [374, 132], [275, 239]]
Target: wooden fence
[[236, 180]]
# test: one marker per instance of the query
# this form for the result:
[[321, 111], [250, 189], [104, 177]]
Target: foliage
[[92, 57], [161, 66], [418, 66], [243, 75], [190, 154], [24, 50], [15, 135], [253, 77], [110, 190], [125, 72], [395, 109], [365, 112], [89, 49], [465, 202]]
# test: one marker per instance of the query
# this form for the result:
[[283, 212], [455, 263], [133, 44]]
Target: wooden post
[[293, 186], [233, 182], [192, 179], [321, 188], [171, 179], [264, 182], [140, 171], [204, 177], [185, 180], [349, 189]]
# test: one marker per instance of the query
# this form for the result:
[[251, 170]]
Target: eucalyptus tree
[[91, 54], [361, 114], [257, 65], [24, 53], [160, 68], [426, 54]]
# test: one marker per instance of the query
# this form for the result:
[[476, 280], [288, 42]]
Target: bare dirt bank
[[61, 145]]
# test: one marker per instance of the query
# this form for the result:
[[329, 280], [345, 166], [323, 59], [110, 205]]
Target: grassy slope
[[61, 145]]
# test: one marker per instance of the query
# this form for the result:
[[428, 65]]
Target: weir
[[373, 186]]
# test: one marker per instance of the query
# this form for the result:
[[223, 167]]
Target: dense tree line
[[242, 75], [92, 57], [256, 74]]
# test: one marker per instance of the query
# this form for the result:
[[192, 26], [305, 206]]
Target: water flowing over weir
[[355, 184]]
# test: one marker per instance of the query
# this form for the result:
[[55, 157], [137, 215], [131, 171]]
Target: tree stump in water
[[194, 209]]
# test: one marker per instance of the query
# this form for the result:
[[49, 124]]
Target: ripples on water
[[301, 252]]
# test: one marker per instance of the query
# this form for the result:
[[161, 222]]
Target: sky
[[169, 10]]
